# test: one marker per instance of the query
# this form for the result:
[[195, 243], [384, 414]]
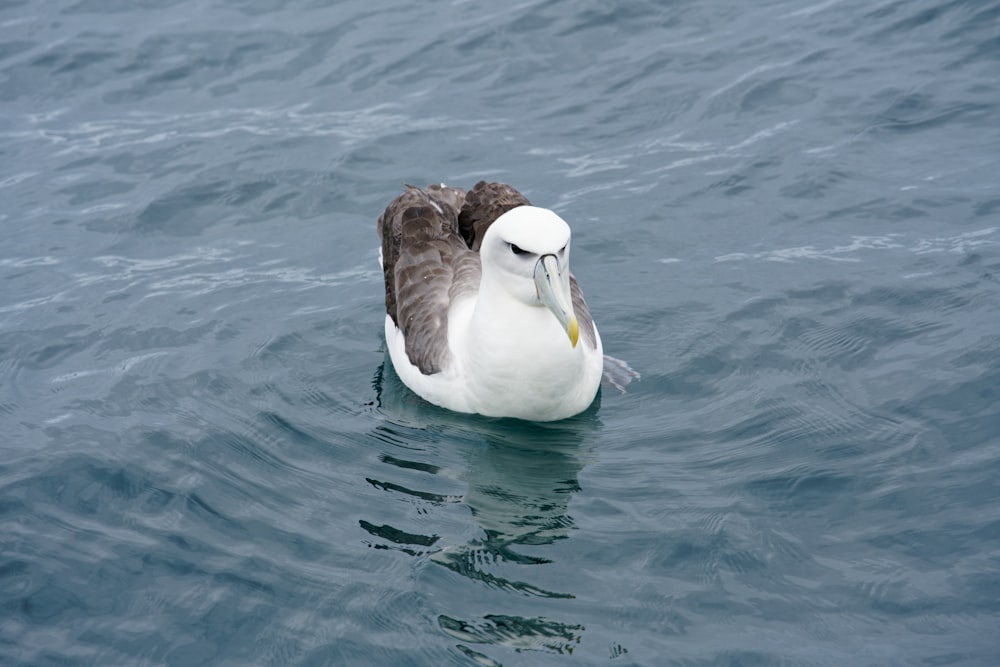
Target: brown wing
[[425, 264], [484, 203]]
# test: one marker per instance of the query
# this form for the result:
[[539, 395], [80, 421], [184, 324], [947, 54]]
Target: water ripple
[[783, 215]]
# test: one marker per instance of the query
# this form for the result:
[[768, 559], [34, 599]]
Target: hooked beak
[[553, 291]]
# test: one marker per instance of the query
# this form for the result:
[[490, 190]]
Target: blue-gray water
[[786, 217]]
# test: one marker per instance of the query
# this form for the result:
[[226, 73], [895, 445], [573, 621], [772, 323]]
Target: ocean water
[[786, 217]]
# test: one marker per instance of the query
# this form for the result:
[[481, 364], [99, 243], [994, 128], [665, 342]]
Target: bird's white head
[[526, 253]]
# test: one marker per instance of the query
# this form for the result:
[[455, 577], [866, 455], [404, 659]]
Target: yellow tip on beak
[[552, 287]]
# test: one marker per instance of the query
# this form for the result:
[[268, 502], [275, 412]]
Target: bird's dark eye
[[517, 250]]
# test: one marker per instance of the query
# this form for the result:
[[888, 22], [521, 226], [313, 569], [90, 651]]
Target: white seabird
[[482, 313]]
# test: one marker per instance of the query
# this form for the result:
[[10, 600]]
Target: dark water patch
[[777, 93], [985, 50], [158, 163], [756, 309], [410, 465], [174, 213], [153, 338], [84, 59], [474, 562], [398, 488], [290, 344], [397, 536], [48, 348], [79, 62], [514, 631], [987, 208], [204, 56], [802, 489], [984, 354], [926, 299], [12, 48], [859, 342], [921, 18], [919, 113], [295, 433], [965, 413], [815, 186], [311, 50]]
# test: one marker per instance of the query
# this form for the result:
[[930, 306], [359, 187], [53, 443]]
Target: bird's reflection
[[519, 479]]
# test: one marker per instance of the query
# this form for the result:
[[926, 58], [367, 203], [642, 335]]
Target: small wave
[[959, 243], [352, 127], [811, 9], [117, 369]]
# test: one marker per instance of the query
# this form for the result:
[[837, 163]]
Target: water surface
[[785, 217]]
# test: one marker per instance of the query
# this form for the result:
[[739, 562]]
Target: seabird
[[482, 313]]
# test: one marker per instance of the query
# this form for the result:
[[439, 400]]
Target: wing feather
[[422, 255], [484, 203]]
